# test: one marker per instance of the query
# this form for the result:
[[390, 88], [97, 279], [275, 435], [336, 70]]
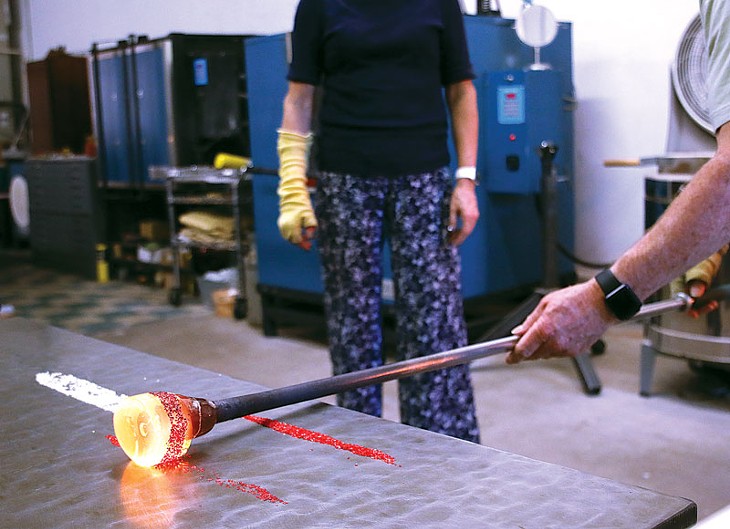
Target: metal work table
[[60, 470]]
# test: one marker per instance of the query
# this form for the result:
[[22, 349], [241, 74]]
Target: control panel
[[522, 110]]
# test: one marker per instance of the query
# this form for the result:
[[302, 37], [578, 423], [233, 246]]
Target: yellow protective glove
[[707, 269], [703, 273], [295, 207]]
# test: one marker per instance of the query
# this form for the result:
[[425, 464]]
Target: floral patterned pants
[[354, 215]]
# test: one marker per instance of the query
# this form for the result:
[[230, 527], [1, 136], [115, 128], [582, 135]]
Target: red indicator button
[[512, 137]]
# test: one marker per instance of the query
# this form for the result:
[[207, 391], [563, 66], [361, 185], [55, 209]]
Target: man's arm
[[696, 224], [567, 322]]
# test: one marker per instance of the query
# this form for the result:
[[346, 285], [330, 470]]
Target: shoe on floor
[[6, 311]]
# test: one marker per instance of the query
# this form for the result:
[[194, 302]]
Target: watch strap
[[607, 281], [467, 173], [470, 173]]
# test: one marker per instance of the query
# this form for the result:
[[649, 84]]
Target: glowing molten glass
[[157, 428]]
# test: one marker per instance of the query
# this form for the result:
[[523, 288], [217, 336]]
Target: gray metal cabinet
[[66, 219]]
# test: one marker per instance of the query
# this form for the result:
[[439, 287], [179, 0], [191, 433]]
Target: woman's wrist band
[[470, 173]]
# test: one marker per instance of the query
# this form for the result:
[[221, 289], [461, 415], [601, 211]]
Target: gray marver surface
[[58, 469]]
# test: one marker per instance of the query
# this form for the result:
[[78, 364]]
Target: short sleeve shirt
[[716, 23], [382, 65]]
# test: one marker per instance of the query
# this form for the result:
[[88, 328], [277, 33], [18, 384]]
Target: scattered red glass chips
[[178, 426], [248, 488], [184, 467], [316, 437]]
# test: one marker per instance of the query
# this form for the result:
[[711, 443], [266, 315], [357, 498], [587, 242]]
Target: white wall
[[622, 53], [76, 24]]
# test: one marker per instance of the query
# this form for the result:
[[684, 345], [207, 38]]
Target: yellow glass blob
[[156, 428]]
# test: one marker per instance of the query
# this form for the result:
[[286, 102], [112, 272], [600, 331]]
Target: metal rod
[[718, 293], [236, 407], [677, 303]]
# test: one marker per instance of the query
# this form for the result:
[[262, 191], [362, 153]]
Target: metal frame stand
[[584, 366], [648, 362], [582, 363]]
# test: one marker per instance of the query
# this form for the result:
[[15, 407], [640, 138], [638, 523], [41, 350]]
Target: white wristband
[[470, 173]]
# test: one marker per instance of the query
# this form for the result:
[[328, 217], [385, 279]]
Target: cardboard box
[[224, 302], [154, 230]]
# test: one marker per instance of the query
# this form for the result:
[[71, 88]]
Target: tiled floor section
[[81, 305]]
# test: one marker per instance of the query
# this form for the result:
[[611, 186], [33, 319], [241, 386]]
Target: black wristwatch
[[619, 297]]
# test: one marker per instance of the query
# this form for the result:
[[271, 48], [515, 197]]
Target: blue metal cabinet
[[177, 100], [280, 263], [132, 111]]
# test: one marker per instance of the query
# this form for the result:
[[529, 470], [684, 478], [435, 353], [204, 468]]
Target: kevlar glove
[[295, 206]]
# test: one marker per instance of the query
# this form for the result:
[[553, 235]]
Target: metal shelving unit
[[207, 187]]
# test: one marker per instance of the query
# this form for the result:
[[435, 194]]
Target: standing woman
[[388, 70]]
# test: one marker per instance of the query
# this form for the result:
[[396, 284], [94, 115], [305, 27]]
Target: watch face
[[623, 302], [619, 297]]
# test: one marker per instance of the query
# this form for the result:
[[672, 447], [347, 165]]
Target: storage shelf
[[203, 201], [212, 245], [206, 187]]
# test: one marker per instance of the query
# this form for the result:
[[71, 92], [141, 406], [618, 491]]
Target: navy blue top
[[382, 65]]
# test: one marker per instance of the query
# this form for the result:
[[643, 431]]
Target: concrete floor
[[675, 442]]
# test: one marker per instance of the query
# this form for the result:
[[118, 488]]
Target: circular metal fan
[[689, 74]]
